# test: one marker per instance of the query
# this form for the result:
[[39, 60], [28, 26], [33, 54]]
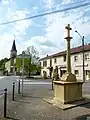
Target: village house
[[58, 60]]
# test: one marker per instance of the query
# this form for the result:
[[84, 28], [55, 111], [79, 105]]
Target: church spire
[[13, 46]]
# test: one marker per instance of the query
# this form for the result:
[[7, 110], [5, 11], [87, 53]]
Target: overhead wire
[[47, 13]]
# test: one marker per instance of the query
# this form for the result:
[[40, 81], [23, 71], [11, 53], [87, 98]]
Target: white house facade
[[59, 60]]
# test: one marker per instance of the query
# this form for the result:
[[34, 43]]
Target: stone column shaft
[[68, 57]]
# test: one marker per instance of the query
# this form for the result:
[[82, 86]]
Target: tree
[[2, 65], [3, 68], [3, 61], [33, 64]]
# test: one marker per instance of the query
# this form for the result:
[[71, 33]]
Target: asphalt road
[[7, 81]]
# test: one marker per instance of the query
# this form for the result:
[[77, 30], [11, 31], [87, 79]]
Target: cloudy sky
[[46, 33]]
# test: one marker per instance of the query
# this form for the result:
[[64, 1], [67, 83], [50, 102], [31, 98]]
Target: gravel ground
[[31, 106]]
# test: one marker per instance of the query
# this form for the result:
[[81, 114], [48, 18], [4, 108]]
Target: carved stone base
[[67, 92], [68, 77]]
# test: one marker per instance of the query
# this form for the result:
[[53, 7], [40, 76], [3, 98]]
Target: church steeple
[[13, 50], [13, 46]]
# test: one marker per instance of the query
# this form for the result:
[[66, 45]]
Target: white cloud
[[48, 3], [43, 45], [17, 30], [6, 41], [35, 9], [7, 2], [55, 31], [66, 1], [55, 27]]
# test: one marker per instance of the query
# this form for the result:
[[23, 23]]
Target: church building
[[11, 63], [14, 64]]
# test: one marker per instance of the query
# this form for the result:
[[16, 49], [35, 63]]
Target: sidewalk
[[31, 106]]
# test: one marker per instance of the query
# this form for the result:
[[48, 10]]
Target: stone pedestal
[[67, 92]]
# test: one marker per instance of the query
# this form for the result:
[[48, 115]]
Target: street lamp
[[82, 37], [23, 53], [30, 64]]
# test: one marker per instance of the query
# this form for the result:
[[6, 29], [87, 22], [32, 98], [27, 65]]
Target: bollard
[[52, 83], [5, 102], [13, 91], [19, 87]]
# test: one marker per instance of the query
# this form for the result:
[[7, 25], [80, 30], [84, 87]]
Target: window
[[55, 60], [86, 56], [50, 63], [87, 72], [45, 63], [76, 72], [64, 58], [15, 69], [75, 58]]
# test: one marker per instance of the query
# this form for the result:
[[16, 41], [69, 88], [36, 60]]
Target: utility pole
[[82, 53], [83, 58], [29, 65], [22, 69]]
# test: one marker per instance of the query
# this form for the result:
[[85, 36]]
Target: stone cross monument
[[68, 89]]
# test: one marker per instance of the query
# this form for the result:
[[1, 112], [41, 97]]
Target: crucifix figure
[[68, 38]]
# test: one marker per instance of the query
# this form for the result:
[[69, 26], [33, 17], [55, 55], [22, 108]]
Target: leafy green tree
[[18, 64], [3, 68], [3, 61], [2, 65], [31, 61], [33, 64]]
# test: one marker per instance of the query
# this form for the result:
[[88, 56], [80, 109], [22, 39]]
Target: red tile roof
[[73, 51]]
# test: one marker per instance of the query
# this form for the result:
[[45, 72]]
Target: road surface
[[7, 81]]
